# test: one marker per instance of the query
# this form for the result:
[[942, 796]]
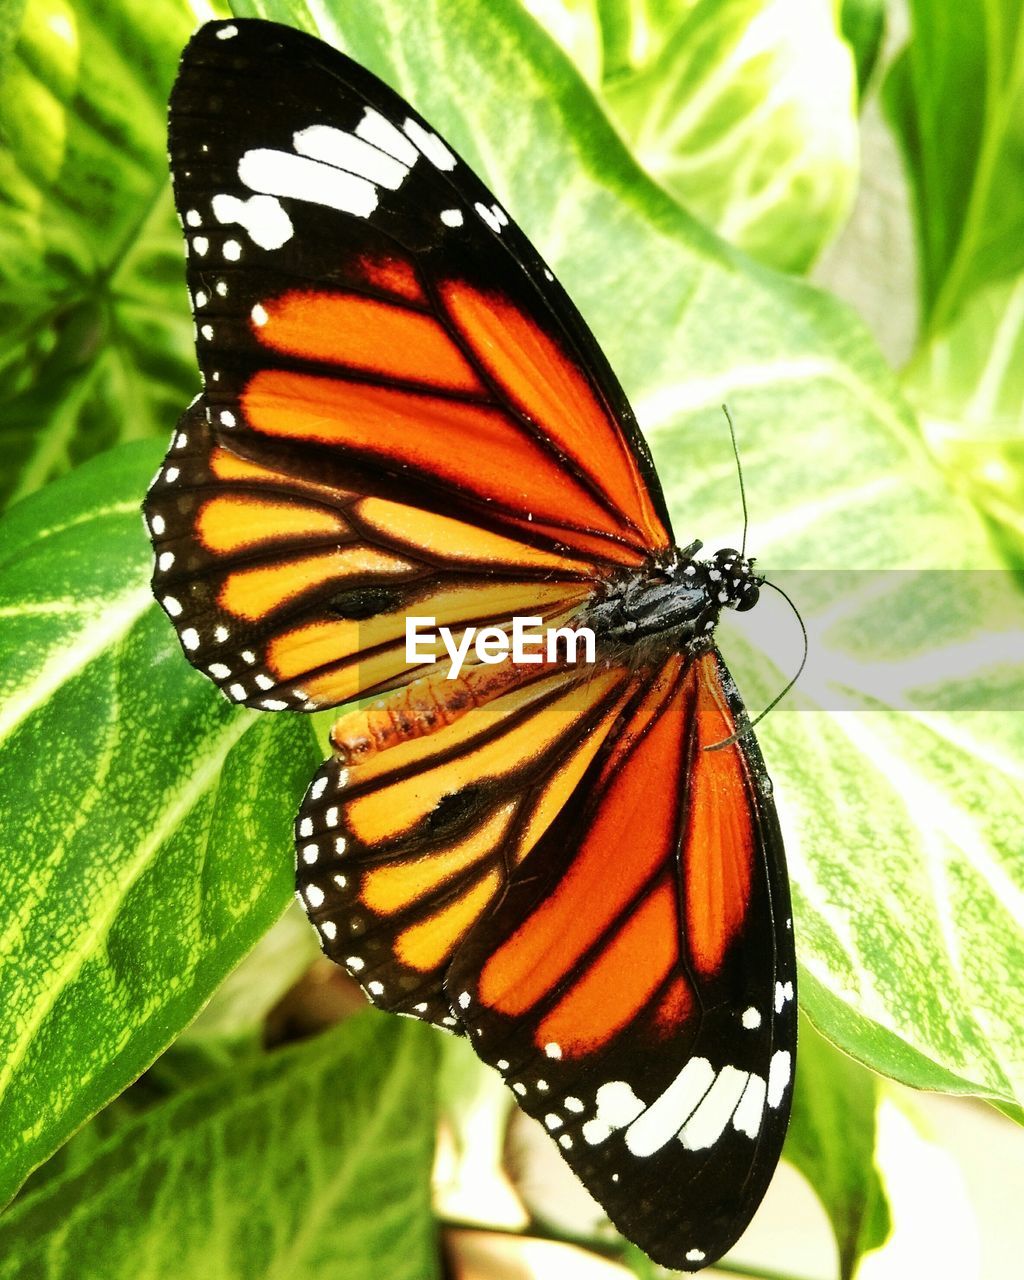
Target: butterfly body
[[673, 603], [403, 415]]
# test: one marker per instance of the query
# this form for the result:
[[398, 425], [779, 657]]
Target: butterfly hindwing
[[402, 854], [640, 998]]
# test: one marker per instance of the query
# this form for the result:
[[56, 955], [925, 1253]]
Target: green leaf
[[968, 386], [311, 1161], [862, 23], [574, 24], [747, 114], [831, 1140], [956, 100], [241, 1003], [147, 823], [95, 340]]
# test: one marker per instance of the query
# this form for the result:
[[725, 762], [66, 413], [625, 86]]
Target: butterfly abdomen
[[424, 706]]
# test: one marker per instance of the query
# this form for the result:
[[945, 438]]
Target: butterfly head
[[733, 580]]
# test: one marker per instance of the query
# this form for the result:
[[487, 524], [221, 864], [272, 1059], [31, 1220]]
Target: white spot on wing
[[218, 670], [747, 1116], [617, 1104], [306, 827], [318, 787], [279, 173], [705, 1126], [383, 134], [259, 315], [695, 1255], [357, 964], [778, 1076], [553, 1050], [172, 606], [190, 638], [670, 1110], [495, 216], [350, 152], [225, 33], [157, 524], [232, 250], [751, 1019], [314, 895], [452, 217], [329, 929], [430, 144]]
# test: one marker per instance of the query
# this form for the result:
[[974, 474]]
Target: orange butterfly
[[404, 416]]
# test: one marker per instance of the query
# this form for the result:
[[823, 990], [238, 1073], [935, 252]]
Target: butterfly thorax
[[673, 603]]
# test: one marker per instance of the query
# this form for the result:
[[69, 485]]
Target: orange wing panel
[[623, 977], [366, 334], [425, 945], [470, 447], [235, 522], [641, 800], [536, 375], [253, 593], [718, 846]]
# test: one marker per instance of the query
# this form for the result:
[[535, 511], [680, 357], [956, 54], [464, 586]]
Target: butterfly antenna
[[739, 472], [748, 727]]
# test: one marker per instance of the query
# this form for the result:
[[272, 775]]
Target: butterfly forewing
[[402, 415]]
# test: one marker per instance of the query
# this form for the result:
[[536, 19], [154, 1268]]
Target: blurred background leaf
[[310, 1161], [745, 110], [831, 1140], [955, 98], [862, 23], [95, 338]]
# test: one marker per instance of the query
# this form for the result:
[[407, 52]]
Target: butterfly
[[577, 866]]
